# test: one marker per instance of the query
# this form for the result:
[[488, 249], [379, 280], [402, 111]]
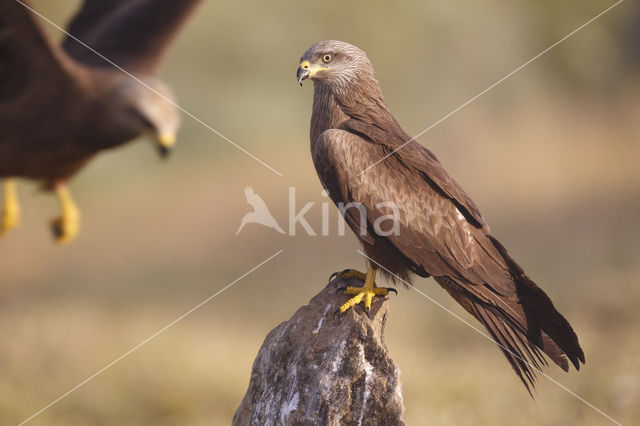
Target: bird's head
[[149, 111], [334, 63]]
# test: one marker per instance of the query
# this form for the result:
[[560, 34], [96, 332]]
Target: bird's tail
[[524, 328]]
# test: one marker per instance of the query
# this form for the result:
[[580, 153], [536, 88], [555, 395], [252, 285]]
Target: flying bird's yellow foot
[[365, 294], [66, 227], [10, 217]]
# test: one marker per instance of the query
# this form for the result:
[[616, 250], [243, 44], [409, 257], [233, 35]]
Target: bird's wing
[[417, 156], [432, 229], [26, 54], [133, 34], [434, 234]]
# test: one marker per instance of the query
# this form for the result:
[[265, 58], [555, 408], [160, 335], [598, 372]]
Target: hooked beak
[[303, 71], [307, 70], [165, 141]]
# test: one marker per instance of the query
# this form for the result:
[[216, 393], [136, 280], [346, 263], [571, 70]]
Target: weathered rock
[[317, 369]]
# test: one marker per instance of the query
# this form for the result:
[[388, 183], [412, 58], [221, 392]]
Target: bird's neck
[[362, 101], [327, 113]]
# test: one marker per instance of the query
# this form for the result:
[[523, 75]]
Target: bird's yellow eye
[[326, 58]]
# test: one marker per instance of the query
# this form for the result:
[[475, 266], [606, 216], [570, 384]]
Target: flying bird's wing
[[134, 34], [441, 233], [25, 53]]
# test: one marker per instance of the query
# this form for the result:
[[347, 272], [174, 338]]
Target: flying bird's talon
[[335, 274], [10, 215], [66, 227], [57, 228], [392, 289], [339, 289]]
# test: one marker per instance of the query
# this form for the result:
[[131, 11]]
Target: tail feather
[[519, 355], [555, 353], [546, 327], [524, 324]]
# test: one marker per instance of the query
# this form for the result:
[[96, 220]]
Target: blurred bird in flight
[[61, 105]]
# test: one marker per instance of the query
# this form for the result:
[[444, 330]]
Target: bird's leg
[[10, 217], [365, 293], [349, 273], [66, 227]]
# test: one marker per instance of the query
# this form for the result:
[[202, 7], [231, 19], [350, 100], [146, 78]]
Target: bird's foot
[[10, 215], [10, 219], [348, 273], [66, 227], [365, 294]]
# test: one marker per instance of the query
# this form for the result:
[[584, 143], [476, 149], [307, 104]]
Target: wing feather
[[26, 53], [134, 34], [416, 156]]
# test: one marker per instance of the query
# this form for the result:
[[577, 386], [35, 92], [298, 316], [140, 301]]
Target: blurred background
[[550, 156]]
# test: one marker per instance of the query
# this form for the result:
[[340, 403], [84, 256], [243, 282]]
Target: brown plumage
[[60, 105], [441, 232]]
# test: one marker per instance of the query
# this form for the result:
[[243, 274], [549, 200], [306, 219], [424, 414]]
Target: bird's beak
[[303, 71], [307, 70], [166, 141]]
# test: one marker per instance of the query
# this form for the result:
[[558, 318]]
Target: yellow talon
[[348, 273], [367, 292], [352, 273], [10, 209], [66, 227]]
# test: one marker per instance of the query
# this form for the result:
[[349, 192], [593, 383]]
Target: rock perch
[[314, 369]]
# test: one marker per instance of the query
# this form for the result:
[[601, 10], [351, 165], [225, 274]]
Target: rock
[[317, 369]]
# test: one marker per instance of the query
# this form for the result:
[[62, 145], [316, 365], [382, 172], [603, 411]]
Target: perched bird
[[61, 105], [437, 229], [260, 213]]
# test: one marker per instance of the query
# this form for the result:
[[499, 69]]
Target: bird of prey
[[440, 231], [260, 213], [61, 105]]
